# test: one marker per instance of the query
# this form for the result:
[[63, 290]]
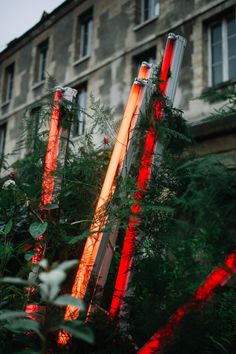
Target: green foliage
[[49, 287], [187, 228], [226, 97], [22, 221]]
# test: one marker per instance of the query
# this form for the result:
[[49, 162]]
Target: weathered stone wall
[[116, 39]]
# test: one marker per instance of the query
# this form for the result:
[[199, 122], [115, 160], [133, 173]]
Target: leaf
[[37, 229], [43, 263], [8, 227], [55, 276], [75, 239], [65, 300], [51, 206], [14, 280], [6, 250], [29, 255], [218, 344], [8, 314], [78, 330], [22, 325], [67, 264]]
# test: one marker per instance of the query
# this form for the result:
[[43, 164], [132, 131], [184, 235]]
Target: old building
[[96, 45]]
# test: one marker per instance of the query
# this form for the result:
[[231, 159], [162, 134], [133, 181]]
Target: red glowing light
[[50, 165], [217, 278], [126, 260], [48, 181], [52, 151]]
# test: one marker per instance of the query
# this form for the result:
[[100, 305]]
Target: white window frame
[[154, 7], [225, 66], [88, 22], [9, 77], [42, 60], [3, 130], [81, 114]]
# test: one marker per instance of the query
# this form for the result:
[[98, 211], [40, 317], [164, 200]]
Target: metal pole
[[95, 243], [128, 250], [49, 183]]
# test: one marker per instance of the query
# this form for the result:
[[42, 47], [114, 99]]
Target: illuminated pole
[[93, 242], [50, 164], [53, 154], [173, 52], [219, 277], [104, 257], [51, 157]]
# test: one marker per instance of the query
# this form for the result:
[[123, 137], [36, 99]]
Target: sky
[[18, 16]]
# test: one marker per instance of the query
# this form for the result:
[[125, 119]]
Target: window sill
[[81, 60], [219, 86], [6, 103], [145, 23], [216, 93], [38, 84], [76, 138]]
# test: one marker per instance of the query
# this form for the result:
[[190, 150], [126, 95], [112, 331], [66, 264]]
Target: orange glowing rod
[[219, 277], [93, 242]]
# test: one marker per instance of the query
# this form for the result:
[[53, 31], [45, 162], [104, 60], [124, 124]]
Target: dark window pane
[[149, 56], [232, 68], [217, 53], [2, 138], [231, 25], [216, 35], [232, 46], [42, 60], [217, 74], [146, 10]]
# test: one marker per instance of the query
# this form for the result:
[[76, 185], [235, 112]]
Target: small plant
[[22, 323]]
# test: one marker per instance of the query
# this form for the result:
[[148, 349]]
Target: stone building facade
[[95, 46]]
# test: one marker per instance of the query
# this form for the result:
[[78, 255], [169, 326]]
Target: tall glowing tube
[[93, 242], [50, 165], [219, 277], [127, 255]]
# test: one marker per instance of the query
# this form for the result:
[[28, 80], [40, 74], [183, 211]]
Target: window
[[3, 129], [8, 83], [41, 60], [222, 51], [86, 25], [79, 123], [148, 9], [34, 128], [149, 56]]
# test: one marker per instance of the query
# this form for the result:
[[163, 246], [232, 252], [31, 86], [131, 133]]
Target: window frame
[[79, 126], [8, 84], [85, 20], [151, 3], [149, 55], [3, 133], [225, 54], [35, 115], [41, 60]]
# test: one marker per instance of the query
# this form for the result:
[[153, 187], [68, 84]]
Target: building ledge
[[38, 84], [81, 60], [210, 129], [145, 23], [6, 103]]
